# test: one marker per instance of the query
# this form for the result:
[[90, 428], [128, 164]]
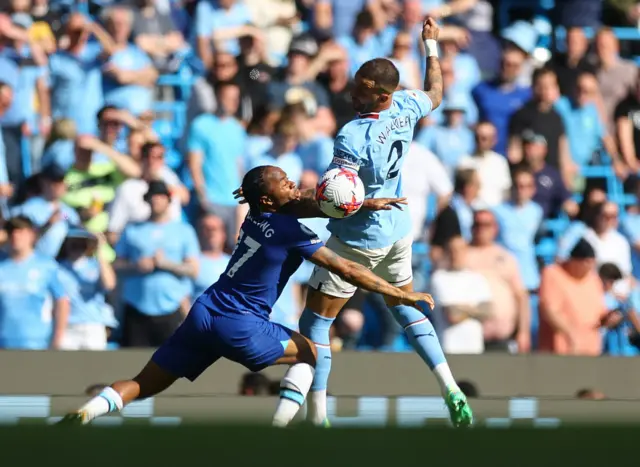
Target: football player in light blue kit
[[374, 146]]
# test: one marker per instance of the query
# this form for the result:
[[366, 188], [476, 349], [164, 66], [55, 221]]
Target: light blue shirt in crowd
[[449, 144], [466, 71], [465, 215], [209, 271], [255, 146], [289, 162], [22, 108], [27, 291], [210, 18], [359, 53], [159, 292], [316, 154], [344, 13], [518, 228], [630, 228], [60, 153], [76, 86], [374, 147], [584, 129], [616, 341], [134, 98], [569, 238], [39, 210], [222, 143], [82, 284]]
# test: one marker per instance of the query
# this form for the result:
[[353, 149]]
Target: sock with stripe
[[106, 402], [316, 328], [422, 337], [293, 391]]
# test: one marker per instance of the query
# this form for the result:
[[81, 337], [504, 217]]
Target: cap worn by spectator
[[521, 34], [157, 188], [305, 45], [53, 172], [529, 136]]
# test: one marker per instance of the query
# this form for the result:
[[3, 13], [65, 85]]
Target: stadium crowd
[[126, 127]]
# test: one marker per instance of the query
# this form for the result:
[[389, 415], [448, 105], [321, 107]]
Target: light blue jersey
[[374, 146]]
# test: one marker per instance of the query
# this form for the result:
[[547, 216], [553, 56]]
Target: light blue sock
[[421, 334], [316, 328]]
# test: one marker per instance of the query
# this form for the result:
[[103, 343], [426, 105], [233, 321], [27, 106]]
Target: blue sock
[[420, 333], [316, 328]]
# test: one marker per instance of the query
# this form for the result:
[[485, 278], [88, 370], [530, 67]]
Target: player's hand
[[239, 195], [384, 204], [146, 265], [430, 29], [419, 300]]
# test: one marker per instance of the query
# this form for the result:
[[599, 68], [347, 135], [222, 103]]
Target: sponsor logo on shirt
[[342, 159]]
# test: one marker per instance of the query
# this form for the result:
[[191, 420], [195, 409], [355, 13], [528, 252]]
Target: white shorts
[[84, 337], [392, 263]]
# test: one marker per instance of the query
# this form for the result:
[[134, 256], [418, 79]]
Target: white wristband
[[431, 46]]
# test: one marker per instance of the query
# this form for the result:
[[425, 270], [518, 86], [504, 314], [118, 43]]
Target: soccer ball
[[340, 193]]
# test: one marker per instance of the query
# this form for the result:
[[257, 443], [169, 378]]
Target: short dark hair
[[365, 20], [220, 85], [520, 170], [382, 72], [18, 222], [254, 187], [462, 178], [104, 109], [540, 72], [147, 147], [609, 272]]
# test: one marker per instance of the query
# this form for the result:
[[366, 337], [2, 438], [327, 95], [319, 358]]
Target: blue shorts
[[204, 337]]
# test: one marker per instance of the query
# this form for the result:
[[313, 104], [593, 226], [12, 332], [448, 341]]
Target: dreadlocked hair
[[254, 187]]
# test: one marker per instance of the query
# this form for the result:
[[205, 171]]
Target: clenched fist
[[430, 29]]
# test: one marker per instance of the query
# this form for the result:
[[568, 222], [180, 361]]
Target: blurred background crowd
[[126, 126]]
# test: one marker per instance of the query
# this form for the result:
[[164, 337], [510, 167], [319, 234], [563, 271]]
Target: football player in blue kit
[[373, 146], [231, 318]]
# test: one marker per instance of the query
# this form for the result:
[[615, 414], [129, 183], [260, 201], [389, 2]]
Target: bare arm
[[514, 150], [145, 77], [454, 7], [195, 168], [125, 164], [360, 276], [433, 85], [188, 268], [107, 274], [61, 310], [105, 39], [44, 99], [567, 167], [458, 313]]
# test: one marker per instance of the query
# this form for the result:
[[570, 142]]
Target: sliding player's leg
[[396, 268]]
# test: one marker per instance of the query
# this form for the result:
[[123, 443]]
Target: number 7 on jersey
[[252, 247]]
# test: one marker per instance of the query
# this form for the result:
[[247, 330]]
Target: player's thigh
[[328, 292], [188, 352], [396, 267], [299, 350]]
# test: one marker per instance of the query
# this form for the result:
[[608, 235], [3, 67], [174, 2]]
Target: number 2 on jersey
[[396, 148], [252, 247]]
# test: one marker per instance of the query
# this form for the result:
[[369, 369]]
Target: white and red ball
[[340, 193]]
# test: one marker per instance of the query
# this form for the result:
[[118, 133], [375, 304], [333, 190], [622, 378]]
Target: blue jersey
[[374, 146], [270, 249]]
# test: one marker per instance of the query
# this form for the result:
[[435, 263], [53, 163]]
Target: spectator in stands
[[129, 206], [155, 33], [508, 327], [50, 215], [157, 260], [284, 153], [630, 228], [627, 126], [405, 61], [91, 184], [293, 83], [451, 141], [499, 99], [129, 76], [59, 149], [216, 144], [586, 132], [571, 64], [603, 235], [465, 66], [337, 18], [464, 298], [335, 81], [47, 25], [539, 116], [522, 37], [75, 73], [519, 220], [422, 175], [315, 148], [29, 282], [213, 260], [278, 20], [87, 277], [219, 25], [362, 44], [492, 168], [6, 187], [457, 218], [551, 192], [617, 77], [347, 329], [572, 305], [622, 301], [259, 135], [255, 71]]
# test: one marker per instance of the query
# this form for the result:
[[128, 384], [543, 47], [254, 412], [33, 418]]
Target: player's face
[[280, 189], [365, 99]]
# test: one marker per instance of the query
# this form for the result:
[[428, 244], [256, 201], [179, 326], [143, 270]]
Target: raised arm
[[360, 276], [433, 78]]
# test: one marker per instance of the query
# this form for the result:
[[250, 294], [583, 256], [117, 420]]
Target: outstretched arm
[[433, 86], [360, 276]]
